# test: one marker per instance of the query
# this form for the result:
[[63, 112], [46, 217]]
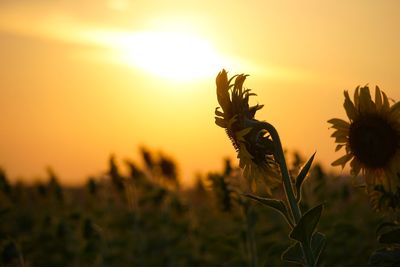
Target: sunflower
[[371, 139], [254, 148]]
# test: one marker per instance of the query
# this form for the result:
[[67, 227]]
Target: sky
[[80, 80]]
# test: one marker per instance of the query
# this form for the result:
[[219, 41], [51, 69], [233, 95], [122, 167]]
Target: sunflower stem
[[250, 238], [280, 158], [288, 187]]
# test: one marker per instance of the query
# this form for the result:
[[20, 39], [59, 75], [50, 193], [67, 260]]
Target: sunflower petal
[[395, 109], [355, 167], [339, 124], [241, 134], [378, 98], [254, 109], [394, 171], [239, 82], [340, 133], [232, 121], [219, 113], [366, 104], [341, 139], [338, 147], [244, 156], [220, 122], [351, 111], [342, 160], [386, 105], [389, 180], [356, 96], [222, 90]]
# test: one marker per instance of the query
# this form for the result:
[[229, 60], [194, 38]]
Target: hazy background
[[82, 79]]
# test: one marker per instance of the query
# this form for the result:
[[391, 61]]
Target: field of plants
[[275, 209], [145, 218]]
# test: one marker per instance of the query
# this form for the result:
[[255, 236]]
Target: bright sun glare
[[177, 56]]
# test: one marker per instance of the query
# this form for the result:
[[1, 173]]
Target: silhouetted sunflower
[[255, 149], [371, 138]]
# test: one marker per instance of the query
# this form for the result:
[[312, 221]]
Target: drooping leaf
[[302, 175], [276, 204], [304, 229]]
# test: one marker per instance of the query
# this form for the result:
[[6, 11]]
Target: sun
[[173, 55]]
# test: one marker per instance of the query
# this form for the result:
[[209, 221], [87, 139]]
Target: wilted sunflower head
[[371, 138], [255, 149]]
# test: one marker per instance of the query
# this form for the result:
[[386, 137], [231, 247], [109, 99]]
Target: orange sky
[[74, 90]]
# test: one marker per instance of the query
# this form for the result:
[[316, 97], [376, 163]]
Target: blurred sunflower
[[255, 149], [371, 139]]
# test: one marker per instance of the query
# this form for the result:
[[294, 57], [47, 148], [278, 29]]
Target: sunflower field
[[143, 219], [274, 207]]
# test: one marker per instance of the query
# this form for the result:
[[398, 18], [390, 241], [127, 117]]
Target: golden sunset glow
[[172, 55], [83, 79], [175, 133]]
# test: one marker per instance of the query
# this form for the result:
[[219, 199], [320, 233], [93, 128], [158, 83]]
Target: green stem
[[287, 184], [250, 239], [280, 158]]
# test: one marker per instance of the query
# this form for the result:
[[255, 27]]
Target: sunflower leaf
[[318, 243], [276, 204], [305, 228], [293, 254], [302, 175]]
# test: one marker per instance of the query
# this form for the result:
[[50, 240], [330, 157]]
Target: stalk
[[287, 185], [250, 239]]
